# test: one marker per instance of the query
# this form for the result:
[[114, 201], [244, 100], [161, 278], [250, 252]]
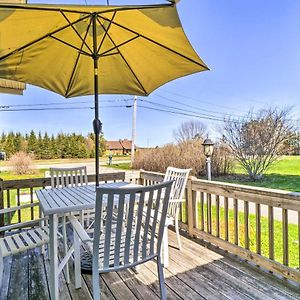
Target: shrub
[[185, 155], [21, 163]]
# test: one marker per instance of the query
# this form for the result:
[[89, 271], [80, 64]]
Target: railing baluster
[[195, 209], [8, 206], [218, 216], [226, 218], [285, 236], [246, 224], [202, 210], [31, 201], [236, 221], [271, 231], [19, 203], [209, 216], [258, 228]]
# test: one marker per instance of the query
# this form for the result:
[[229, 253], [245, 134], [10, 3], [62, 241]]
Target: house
[[120, 147]]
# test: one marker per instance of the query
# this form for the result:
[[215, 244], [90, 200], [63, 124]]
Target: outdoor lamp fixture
[[208, 147]]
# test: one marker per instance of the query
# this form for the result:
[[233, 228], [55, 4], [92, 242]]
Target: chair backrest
[[129, 236], [68, 177], [179, 178]]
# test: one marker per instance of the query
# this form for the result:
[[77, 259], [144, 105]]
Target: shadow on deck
[[194, 273]]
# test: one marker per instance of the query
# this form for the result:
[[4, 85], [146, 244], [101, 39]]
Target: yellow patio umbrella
[[90, 50]]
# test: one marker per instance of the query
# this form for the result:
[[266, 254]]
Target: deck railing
[[257, 224]]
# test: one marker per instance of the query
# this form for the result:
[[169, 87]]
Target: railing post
[[140, 179], [190, 209], [1, 205]]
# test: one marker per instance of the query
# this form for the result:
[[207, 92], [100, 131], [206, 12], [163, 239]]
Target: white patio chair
[[69, 177], [179, 177], [22, 241], [133, 239]]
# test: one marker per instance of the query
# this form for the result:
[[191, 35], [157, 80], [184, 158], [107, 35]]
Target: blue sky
[[251, 46]]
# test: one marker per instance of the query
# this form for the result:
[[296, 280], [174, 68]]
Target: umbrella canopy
[[85, 50]]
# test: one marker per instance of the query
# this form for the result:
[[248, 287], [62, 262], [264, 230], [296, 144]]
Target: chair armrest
[[79, 230]]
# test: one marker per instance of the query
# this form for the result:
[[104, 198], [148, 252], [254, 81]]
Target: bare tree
[[257, 140], [189, 130]]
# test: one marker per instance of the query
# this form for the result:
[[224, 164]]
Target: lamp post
[[208, 147]]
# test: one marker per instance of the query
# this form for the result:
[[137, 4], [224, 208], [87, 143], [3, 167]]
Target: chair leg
[[165, 248], [96, 282], [77, 266], [64, 232], [177, 232], [163, 292]]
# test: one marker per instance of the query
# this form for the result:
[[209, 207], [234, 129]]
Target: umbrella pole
[[97, 125]]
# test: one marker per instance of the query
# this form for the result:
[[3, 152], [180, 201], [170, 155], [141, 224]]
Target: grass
[[119, 166], [8, 175], [284, 175]]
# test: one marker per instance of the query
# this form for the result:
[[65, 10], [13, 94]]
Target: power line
[[57, 108], [181, 109], [5, 106], [194, 107], [182, 113]]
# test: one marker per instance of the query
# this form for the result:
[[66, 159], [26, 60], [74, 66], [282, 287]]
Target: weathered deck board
[[196, 272]]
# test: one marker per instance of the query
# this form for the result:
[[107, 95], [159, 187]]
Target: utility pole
[[133, 128]]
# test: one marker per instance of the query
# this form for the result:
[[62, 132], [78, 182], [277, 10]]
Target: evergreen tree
[[32, 142]]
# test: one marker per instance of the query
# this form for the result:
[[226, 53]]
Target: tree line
[[45, 146]]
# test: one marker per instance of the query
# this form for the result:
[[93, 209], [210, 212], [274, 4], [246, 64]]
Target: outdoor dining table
[[55, 202]]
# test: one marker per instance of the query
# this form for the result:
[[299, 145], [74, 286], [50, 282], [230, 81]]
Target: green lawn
[[120, 166], [284, 174]]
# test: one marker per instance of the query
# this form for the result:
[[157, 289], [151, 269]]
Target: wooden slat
[[271, 231], [246, 224], [236, 221], [31, 201], [18, 204], [209, 213], [285, 236], [258, 228], [195, 209], [9, 216], [190, 209], [218, 216], [226, 218], [202, 210]]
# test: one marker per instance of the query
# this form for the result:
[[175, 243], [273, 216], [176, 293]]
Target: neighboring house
[[120, 147]]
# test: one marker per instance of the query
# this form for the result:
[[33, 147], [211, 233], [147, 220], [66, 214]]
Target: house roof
[[119, 145]]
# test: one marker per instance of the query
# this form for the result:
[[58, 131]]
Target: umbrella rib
[[157, 43], [77, 60], [102, 41], [39, 39], [74, 47], [126, 62], [76, 32], [59, 9], [117, 47]]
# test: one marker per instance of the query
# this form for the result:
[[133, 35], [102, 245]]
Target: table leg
[[53, 276]]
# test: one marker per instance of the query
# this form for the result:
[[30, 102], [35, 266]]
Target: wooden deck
[[194, 273]]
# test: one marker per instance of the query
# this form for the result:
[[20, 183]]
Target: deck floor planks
[[194, 273], [255, 277]]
